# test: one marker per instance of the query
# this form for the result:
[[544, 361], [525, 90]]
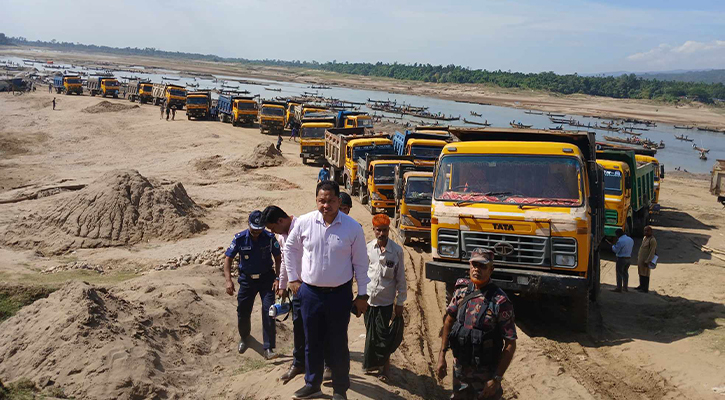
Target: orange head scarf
[[381, 220]]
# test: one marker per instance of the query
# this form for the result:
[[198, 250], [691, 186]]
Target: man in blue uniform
[[258, 274]]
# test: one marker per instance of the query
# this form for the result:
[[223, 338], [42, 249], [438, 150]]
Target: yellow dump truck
[[376, 181], [312, 136], [353, 119], [272, 116], [199, 105], [535, 199], [413, 194], [68, 84], [103, 85], [659, 177], [628, 191], [238, 110], [143, 91], [717, 181], [174, 96], [344, 146]]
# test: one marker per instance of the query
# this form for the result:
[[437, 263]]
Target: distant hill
[[708, 76]]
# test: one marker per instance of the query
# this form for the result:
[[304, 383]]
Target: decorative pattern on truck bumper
[[509, 249]]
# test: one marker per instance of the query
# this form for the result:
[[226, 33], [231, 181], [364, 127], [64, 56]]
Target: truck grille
[[610, 217], [422, 216], [526, 250], [388, 193]]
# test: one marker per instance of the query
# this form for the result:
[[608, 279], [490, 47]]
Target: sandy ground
[[135, 332], [518, 98]]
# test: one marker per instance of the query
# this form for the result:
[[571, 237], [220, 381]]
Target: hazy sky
[[528, 35]]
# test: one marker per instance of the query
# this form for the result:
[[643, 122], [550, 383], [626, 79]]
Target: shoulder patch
[[276, 245], [462, 282]]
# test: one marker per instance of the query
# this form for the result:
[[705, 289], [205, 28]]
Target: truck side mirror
[[662, 171]]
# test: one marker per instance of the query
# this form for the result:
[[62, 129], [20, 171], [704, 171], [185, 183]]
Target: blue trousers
[[248, 290], [298, 328], [326, 316]]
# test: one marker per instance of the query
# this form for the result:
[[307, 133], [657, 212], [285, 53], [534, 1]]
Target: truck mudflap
[[513, 280]]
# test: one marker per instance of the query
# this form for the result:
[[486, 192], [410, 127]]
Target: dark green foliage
[[711, 76], [624, 86], [4, 40], [13, 298]]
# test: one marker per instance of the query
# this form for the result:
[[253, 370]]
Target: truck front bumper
[[382, 203], [513, 280], [417, 233]]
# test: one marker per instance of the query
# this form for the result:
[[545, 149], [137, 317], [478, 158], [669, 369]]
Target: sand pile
[[264, 155], [150, 338], [107, 106], [120, 208]]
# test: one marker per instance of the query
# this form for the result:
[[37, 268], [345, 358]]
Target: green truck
[[629, 190]]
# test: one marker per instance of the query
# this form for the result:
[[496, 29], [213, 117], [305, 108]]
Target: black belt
[[255, 276], [624, 258], [325, 289]]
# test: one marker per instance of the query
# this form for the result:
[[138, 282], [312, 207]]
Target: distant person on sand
[[50, 88], [324, 174], [168, 111], [295, 130], [645, 257], [279, 141], [173, 113], [54, 103], [161, 106]]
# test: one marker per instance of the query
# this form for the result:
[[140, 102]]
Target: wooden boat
[[519, 125], [617, 139], [435, 117], [708, 129], [683, 127], [476, 123], [533, 112], [700, 149], [556, 115], [632, 128], [560, 121], [169, 79], [557, 128], [273, 89], [684, 138], [475, 114]]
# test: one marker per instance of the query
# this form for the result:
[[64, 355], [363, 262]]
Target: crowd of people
[[315, 259]]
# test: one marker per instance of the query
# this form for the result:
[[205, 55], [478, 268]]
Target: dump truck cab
[[110, 87], [532, 197], [659, 177], [143, 91], [425, 151], [237, 109], [272, 116], [175, 96], [354, 119], [376, 181], [617, 197], [312, 136], [413, 194], [198, 105]]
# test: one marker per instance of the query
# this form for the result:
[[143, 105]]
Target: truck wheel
[[93, 94], [579, 310], [349, 187], [407, 240], [363, 193], [333, 174], [304, 161], [115, 96], [188, 117]]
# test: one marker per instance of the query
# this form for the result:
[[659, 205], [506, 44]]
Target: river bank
[[691, 114]]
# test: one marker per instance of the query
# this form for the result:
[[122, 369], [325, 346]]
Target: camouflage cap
[[481, 255]]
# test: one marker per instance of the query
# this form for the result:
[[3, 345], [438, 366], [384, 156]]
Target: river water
[[676, 154]]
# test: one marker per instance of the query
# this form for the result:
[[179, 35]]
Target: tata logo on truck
[[503, 227]]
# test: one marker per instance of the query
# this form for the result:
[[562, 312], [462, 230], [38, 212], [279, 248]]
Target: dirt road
[[146, 329]]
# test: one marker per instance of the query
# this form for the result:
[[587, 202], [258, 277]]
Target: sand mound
[[264, 155], [120, 208], [107, 106], [149, 339]]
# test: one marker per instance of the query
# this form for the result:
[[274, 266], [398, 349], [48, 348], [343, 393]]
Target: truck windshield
[[246, 105], [384, 174], [273, 111], [313, 133], [177, 92], [147, 88], [73, 80], [364, 123], [426, 152], [515, 179], [111, 83], [613, 182], [360, 151], [419, 191], [196, 100]]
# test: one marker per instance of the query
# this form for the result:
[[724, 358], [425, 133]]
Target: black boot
[[640, 288], [645, 289]]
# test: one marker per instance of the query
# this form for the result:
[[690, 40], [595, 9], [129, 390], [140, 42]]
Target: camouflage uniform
[[498, 316]]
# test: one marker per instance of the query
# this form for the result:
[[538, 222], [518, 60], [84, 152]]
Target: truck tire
[[350, 187], [115, 96], [93, 94], [188, 117], [407, 240], [579, 311], [363, 195], [304, 161], [333, 174]]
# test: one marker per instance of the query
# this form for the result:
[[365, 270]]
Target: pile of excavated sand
[[120, 208], [264, 155], [107, 106], [166, 336]]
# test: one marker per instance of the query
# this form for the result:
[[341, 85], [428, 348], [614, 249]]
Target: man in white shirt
[[387, 277], [323, 252]]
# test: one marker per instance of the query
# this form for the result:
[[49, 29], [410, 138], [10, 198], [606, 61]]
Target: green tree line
[[624, 87]]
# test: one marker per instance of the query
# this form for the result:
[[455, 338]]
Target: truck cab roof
[[611, 164], [427, 142], [271, 103], [507, 147]]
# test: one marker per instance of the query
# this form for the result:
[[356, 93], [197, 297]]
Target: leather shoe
[[339, 396], [243, 346], [307, 392], [269, 354], [291, 373], [327, 375]]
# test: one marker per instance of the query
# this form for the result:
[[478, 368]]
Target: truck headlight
[[375, 196], [405, 220], [565, 260], [449, 250]]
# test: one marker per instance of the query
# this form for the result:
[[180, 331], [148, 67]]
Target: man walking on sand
[[173, 113], [168, 111], [386, 271], [323, 253], [647, 251], [623, 250], [54, 103]]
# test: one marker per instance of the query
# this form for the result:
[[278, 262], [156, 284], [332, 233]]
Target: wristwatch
[[497, 378]]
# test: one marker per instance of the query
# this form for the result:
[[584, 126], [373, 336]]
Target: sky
[[529, 35]]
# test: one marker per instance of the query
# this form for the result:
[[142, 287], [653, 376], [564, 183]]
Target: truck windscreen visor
[[177, 92], [514, 179], [246, 106], [426, 152], [196, 100], [273, 112], [313, 133], [379, 149], [73, 81]]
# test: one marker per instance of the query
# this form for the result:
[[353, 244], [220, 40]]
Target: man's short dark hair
[[272, 214], [619, 232], [328, 185]]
